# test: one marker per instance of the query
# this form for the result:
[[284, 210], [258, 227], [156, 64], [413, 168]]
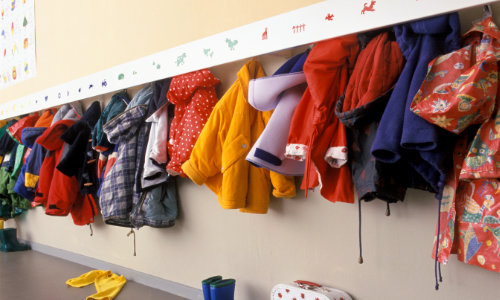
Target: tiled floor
[[31, 275]]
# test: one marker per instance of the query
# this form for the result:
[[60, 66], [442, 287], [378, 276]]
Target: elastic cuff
[[296, 151], [193, 173], [287, 194], [336, 157]]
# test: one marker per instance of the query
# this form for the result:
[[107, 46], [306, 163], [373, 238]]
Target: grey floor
[[33, 275]]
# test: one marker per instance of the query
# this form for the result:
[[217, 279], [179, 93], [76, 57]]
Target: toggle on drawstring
[[91, 231], [437, 265], [360, 258], [128, 234]]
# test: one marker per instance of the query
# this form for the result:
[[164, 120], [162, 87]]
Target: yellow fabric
[[1, 223], [107, 284], [30, 180], [2, 123], [218, 157]]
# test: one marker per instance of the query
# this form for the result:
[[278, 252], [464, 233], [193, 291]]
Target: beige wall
[[78, 38], [299, 238]]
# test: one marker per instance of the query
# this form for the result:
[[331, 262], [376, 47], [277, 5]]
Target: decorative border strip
[[306, 25]]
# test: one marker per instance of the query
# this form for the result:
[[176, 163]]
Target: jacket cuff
[[289, 193], [193, 173]]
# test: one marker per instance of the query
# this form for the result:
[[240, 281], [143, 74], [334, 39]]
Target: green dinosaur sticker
[[231, 43], [180, 59], [208, 52]]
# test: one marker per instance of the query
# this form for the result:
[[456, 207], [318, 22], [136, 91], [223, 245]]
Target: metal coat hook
[[128, 234], [487, 10]]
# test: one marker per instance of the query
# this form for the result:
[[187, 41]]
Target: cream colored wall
[[77, 38], [299, 238]]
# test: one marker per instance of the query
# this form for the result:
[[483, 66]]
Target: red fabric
[[194, 97], [16, 129], [377, 69], [57, 191], [314, 124], [84, 210], [460, 87]]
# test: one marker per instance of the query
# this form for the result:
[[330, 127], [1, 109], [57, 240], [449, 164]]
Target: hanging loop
[[487, 11], [128, 234]]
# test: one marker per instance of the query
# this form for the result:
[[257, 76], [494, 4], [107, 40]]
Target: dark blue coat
[[401, 133], [33, 162]]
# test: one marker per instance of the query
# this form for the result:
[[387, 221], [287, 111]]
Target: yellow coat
[[218, 157]]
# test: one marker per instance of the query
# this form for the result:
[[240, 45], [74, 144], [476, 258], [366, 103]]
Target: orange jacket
[[218, 157]]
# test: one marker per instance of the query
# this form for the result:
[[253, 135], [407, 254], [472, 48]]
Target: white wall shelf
[[307, 25]]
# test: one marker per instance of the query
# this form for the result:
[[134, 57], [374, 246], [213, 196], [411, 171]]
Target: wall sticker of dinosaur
[[231, 43], [367, 7]]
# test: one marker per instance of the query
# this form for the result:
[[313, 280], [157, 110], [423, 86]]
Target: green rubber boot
[[8, 237], [205, 285]]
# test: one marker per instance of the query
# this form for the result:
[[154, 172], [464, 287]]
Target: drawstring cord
[[308, 161], [437, 265], [388, 210], [91, 231], [128, 234], [439, 270], [360, 258]]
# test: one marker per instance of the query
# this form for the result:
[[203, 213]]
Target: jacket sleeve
[[283, 186], [33, 166], [205, 159]]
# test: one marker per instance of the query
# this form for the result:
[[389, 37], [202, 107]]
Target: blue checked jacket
[[117, 196]]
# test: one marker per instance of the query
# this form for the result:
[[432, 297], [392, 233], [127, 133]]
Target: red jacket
[[316, 134], [57, 191], [194, 97]]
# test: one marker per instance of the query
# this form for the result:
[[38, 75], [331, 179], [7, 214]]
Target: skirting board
[[139, 277]]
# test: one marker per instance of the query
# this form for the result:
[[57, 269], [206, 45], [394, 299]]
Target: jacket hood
[[329, 56], [71, 111], [30, 134], [51, 138], [86, 123], [461, 85], [118, 103], [16, 129], [377, 69], [160, 90], [447, 25], [265, 92], [183, 87], [126, 124], [250, 70], [142, 97], [294, 64], [92, 114], [46, 118]]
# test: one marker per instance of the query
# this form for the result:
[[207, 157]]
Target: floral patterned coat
[[461, 89]]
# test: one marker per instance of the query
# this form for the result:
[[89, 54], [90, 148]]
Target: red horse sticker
[[368, 8]]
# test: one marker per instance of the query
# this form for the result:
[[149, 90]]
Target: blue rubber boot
[[222, 289], [205, 286]]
